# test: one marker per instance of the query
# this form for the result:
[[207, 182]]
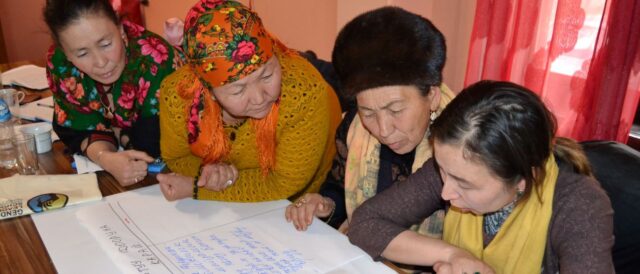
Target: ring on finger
[[228, 183], [300, 202]]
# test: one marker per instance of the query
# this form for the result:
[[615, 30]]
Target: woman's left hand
[[217, 177], [175, 186], [461, 261]]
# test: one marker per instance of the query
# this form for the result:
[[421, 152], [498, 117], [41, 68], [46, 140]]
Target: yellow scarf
[[363, 164], [519, 245]]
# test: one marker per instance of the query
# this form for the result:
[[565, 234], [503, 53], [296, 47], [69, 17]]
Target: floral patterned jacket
[[81, 104]]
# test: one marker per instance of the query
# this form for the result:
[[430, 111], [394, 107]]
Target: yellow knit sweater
[[308, 117]]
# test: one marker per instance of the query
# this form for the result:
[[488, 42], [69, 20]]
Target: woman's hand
[[461, 261], [173, 31], [217, 177], [301, 212], [128, 167], [175, 186]]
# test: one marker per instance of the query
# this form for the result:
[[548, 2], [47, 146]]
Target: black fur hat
[[388, 46]]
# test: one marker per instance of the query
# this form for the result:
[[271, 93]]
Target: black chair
[[617, 168]]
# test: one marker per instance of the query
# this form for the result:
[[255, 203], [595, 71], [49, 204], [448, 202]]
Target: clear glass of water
[[7, 154], [27, 155], [7, 150]]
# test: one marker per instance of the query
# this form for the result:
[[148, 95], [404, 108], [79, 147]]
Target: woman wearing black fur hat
[[391, 61]]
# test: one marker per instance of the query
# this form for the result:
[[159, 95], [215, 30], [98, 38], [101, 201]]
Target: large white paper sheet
[[140, 232]]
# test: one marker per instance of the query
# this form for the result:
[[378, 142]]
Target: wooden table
[[21, 249]]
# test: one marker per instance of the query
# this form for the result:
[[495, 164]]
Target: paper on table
[[241, 248], [125, 234], [26, 194], [28, 76], [41, 110], [84, 165]]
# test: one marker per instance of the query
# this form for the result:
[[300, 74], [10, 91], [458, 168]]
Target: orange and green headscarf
[[224, 41]]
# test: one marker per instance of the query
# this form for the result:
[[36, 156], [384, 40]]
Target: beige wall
[[454, 18], [300, 24], [159, 10], [25, 34]]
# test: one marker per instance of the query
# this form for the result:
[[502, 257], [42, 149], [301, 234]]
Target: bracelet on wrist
[[331, 215], [195, 187], [333, 210], [195, 183]]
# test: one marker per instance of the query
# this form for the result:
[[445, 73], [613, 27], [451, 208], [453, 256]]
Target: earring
[[519, 193], [433, 116], [125, 40]]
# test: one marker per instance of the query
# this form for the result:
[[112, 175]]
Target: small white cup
[[42, 133]]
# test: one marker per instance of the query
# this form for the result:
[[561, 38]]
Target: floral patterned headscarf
[[224, 41]]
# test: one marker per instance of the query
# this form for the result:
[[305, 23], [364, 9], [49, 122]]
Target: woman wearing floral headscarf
[[248, 119], [104, 75]]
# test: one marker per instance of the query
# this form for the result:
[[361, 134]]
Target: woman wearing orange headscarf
[[247, 119]]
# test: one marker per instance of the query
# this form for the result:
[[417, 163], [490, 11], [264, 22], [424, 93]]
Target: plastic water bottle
[[7, 154]]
